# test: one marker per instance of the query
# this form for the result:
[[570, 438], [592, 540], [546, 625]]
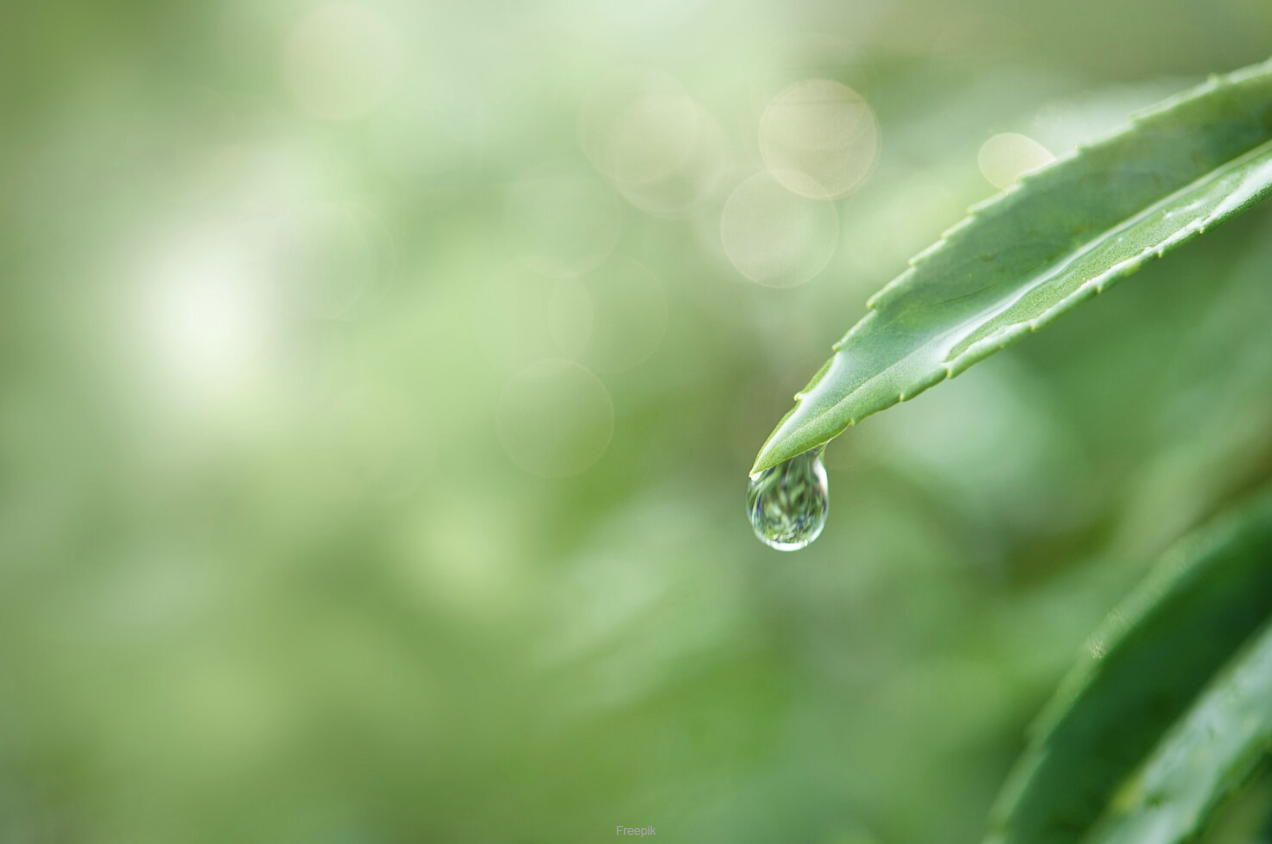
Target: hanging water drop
[[787, 504]]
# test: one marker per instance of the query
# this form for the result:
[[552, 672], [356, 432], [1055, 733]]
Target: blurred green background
[[380, 382]]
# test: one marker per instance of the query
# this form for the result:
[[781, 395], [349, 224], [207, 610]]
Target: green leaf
[[1056, 239], [1139, 681], [1205, 758]]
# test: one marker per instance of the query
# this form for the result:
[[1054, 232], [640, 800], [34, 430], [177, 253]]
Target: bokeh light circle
[[638, 125], [655, 144], [1005, 158], [819, 138], [774, 237], [688, 190], [555, 418]]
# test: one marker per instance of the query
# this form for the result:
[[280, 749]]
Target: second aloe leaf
[[1169, 710]]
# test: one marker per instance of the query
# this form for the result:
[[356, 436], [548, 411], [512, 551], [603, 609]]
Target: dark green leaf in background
[[1140, 680]]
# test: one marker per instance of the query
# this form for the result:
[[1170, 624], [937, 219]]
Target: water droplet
[[787, 504]]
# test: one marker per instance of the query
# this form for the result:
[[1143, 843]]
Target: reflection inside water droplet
[[787, 504]]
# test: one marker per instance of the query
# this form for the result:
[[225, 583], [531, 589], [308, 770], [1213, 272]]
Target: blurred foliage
[[280, 556]]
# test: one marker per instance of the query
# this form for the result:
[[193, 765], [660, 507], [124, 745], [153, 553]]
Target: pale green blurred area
[[378, 390]]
